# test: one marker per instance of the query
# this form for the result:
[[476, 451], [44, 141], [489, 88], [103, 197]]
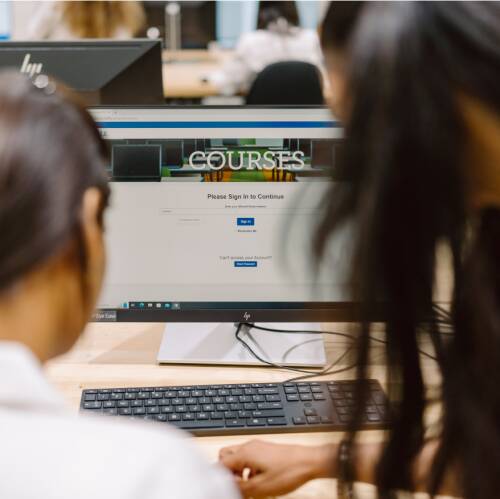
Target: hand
[[275, 469]]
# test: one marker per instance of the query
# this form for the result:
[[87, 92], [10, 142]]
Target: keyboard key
[[174, 417], [305, 397], [153, 410], [273, 398], [299, 420], [326, 420], [138, 411], [90, 397], [123, 403], [108, 405], [167, 409], [103, 396], [269, 405], [235, 423], [310, 412], [291, 390], [216, 415], [110, 412], [256, 422], [199, 425], [313, 419], [276, 421], [318, 396], [292, 398], [267, 391], [201, 416], [373, 417], [268, 414], [189, 416], [92, 405], [125, 412]]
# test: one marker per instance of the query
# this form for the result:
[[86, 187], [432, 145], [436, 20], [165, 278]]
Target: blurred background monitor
[[102, 72]]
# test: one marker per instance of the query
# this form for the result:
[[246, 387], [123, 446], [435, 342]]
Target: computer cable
[[308, 373], [264, 361]]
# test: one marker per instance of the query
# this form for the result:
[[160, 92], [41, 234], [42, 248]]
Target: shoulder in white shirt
[[49, 453], [260, 48]]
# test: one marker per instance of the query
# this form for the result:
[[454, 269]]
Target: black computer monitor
[[225, 235], [102, 72]]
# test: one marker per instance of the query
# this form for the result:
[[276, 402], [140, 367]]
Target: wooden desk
[[120, 355], [184, 71]]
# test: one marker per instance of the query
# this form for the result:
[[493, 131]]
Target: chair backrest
[[287, 83]]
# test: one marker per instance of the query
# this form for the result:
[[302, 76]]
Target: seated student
[[56, 20], [417, 86], [278, 38], [53, 194]]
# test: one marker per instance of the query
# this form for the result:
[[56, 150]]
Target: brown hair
[[50, 154], [102, 19]]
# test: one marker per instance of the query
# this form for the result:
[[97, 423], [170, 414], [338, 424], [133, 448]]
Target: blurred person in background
[[278, 38], [73, 20]]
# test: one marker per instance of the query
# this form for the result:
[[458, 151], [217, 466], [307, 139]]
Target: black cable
[[326, 370], [264, 361]]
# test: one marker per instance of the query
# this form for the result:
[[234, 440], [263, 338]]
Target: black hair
[[270, 11], [50, 153], [408, 66]]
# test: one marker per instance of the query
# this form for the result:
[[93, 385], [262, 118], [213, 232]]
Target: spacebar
[[198, 425]]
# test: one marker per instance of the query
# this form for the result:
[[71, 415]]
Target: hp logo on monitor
[[30, 68], [246, 316]]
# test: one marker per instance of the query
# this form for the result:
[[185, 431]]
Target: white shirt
[[258, 49], [46, 452]]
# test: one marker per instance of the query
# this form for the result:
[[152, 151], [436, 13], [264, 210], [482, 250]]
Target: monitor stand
[[215, 343]]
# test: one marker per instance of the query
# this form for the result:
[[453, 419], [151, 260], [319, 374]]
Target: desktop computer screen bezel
[[338, 311]]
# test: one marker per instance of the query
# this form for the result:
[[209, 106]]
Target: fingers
[[231, 449], [234, 458]]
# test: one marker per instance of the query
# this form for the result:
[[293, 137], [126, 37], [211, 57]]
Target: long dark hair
[[409, 64], [50, 153]]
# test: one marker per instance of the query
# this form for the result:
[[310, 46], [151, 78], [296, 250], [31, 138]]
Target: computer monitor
[[102, 72], [225, 236]]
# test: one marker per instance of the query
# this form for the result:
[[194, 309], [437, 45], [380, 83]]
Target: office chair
[[287, 83]]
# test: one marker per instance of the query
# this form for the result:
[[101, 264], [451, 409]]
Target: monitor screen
[[225, 226]]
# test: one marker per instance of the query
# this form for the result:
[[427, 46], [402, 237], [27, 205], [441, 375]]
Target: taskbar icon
[[151, 305]]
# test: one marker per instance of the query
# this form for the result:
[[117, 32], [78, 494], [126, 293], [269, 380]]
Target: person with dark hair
[[416, 85], [53, 194], [278, 38]]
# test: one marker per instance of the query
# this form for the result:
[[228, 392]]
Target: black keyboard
[[243, 408]]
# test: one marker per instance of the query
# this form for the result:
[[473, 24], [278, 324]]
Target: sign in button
[[245, 221], [245, 263]]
